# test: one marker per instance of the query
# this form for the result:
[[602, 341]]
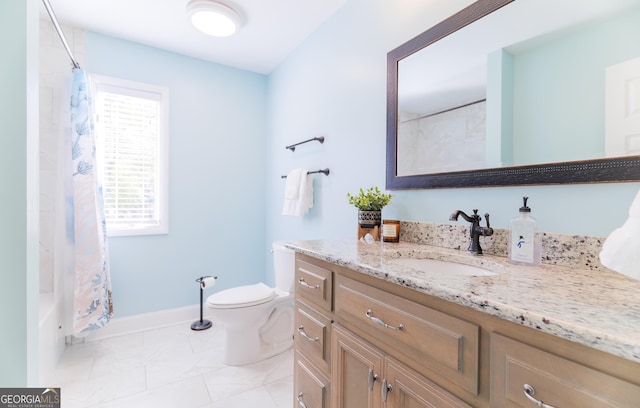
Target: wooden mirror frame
[[619, 169]]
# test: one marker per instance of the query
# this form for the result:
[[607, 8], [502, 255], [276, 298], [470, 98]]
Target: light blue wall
[[499, 138], [217, 165], [568, 74], [19, 185], [335, 85]]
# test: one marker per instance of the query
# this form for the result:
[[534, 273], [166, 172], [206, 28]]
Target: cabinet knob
[[529, 392]]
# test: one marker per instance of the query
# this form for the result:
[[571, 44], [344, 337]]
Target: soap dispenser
[[525, 244]]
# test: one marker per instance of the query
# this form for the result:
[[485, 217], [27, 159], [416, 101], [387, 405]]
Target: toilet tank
[[283, 265]]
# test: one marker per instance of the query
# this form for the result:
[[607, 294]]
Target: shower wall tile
[[46, 107], [79, 44], [55, 67], [53, 61], [46, 31]]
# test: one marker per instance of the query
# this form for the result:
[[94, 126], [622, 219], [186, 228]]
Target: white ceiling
[[272, 29]]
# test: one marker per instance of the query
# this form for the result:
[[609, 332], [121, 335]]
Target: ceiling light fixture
[[213, 17]]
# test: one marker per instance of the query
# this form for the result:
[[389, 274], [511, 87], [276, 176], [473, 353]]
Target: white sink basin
[[444, 267]]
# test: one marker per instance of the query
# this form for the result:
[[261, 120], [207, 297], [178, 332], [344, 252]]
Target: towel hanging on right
[[298, 193], [621, 250]]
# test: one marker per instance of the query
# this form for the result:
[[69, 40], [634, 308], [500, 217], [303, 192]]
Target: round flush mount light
[[213, 17]]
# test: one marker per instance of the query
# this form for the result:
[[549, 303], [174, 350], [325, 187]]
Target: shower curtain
[[91, 280]]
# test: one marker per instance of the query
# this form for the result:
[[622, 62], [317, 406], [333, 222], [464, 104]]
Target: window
[[132, 140]]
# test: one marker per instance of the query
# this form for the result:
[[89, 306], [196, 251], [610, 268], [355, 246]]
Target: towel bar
[[293, 146], [324, 171]]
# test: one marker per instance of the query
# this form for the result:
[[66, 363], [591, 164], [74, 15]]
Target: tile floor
[[169, 367]]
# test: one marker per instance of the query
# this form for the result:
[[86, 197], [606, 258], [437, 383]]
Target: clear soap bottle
[[525, 243]]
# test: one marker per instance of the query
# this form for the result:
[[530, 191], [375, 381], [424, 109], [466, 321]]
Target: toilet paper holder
[[205, 282]]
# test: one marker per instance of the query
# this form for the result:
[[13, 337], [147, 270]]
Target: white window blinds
[[129, 129]]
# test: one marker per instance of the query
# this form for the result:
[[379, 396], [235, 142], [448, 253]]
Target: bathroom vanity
[[373, 331]]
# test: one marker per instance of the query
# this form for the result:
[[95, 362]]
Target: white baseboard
[[146, 321]]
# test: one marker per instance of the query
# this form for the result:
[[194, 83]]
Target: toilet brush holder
[[205, 282]]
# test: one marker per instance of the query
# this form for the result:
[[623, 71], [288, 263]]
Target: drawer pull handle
[[372, 378], [305, 335], [380, 322], [529, 392], [301, 403], [306, 285]]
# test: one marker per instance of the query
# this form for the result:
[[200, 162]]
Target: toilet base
[[274, 336]]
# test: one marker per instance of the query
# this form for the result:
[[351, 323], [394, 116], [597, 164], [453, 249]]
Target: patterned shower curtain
[[92, 305]]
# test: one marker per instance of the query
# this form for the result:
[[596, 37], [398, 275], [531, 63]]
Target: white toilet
[[258, 320]]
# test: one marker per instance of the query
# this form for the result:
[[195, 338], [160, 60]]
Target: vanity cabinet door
[[408, 389], [525, 376], [356, 371], [366, 377], [311, 386]]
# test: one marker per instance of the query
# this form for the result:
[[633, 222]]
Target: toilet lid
[[242, 296]]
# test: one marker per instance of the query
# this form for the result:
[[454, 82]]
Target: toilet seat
[[241, 296]]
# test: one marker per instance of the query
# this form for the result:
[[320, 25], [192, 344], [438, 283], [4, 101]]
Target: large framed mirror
[[517, 92]]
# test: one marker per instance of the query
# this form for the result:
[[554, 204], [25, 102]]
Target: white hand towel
[[621, 250], [292, 187], [307, 190], [298, 193]]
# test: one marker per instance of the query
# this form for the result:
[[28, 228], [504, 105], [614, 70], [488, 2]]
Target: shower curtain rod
[[54, 20]]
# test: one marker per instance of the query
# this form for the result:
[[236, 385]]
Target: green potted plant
[[369, 204]]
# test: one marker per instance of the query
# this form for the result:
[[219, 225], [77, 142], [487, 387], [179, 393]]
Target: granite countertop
[[596, 308]]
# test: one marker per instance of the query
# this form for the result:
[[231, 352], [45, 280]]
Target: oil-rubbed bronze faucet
[[475, 230]]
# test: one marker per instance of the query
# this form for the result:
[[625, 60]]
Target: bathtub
[[51, 338]]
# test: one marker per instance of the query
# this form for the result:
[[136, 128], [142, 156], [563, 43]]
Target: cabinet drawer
[[440, 343], [557, 381], [314, 283], [312, 388], [313, 336]]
